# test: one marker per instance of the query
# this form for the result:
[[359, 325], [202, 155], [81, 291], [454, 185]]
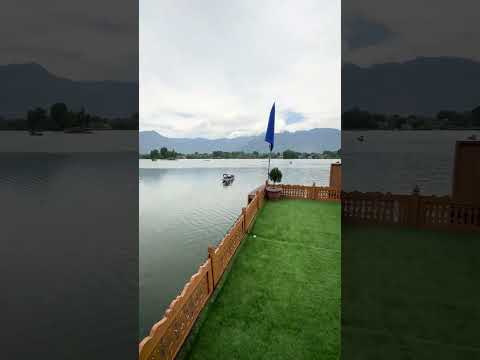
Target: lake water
[[184, 208], [396, 161], [69, 254]]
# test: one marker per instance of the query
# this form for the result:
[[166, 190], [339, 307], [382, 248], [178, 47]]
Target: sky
[[79, 40], [214, 68], [378, 31]]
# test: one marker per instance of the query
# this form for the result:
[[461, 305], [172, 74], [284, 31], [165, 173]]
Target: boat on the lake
[[228, 179]]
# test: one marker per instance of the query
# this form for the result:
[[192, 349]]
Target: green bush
[[275, 175]]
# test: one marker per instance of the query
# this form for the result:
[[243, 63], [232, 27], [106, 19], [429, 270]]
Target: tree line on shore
[[165, 154], [58, 118], [357, 119]]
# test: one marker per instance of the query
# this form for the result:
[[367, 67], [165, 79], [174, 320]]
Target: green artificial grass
[[281, 299], [410, 294]]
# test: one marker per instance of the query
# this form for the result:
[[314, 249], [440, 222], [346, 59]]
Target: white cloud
[[226, 62]]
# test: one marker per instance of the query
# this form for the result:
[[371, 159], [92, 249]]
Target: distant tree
[[154, 154], [31, 121], [87, 120], [275, 175], [35, 118], [453, 118], [82, 118], [163, 152], [331, 154], [290, 154], [59, 113], [359, 119], [476, 116]]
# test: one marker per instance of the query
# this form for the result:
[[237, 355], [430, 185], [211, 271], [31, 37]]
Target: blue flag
[[269, 136]]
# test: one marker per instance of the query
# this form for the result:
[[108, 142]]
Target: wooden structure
[[466, 172], [336, 175], [167, 336]]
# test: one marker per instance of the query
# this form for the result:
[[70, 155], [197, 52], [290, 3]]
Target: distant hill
[[422, 86], [24, 86], [315, 140]]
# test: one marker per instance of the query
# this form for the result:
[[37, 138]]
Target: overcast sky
[[213, 68], [79, 40], [378, 31]]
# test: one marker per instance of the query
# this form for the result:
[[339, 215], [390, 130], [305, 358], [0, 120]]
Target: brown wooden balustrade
[[168, 335], [409, 210]]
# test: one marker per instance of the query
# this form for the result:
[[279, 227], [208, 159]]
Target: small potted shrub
[[273, 193]]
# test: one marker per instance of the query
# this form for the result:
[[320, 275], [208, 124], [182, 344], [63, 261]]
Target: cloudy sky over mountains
[[377, 31], [79, 40], [214, 70]]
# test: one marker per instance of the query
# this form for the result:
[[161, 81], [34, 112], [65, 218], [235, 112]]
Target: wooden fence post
[[211, 255], [210, 277], [244, 227], [414, 210]]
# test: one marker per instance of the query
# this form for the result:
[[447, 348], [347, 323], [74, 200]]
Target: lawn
[[410, 294], [281, 298]]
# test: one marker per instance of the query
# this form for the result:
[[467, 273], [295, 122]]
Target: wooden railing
[[167, 336], [223, 253], [309, 192], [409, 210], [443, 212], [249, 213]]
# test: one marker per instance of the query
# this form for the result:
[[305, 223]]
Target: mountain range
[[314, 140], [422, 86], [25, 86]]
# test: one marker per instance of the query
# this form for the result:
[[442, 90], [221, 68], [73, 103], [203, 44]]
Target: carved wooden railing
[[249, 213], [261, 197], [224, 251], [168, 335], [309, 192], [409, 210], [445, 213], [375, 208]]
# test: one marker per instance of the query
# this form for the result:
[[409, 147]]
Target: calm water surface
[[396, 161], [69, 253], [184, 208]]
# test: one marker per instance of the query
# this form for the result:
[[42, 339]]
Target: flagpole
[[269, 157]]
